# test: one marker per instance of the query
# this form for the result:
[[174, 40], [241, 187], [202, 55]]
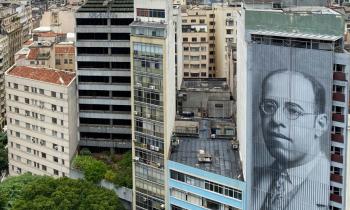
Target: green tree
[[3, 152], [94, 170], [42, 193]]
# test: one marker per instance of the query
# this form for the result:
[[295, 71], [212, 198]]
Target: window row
[[35, 90], [34, 102], [208, 185]]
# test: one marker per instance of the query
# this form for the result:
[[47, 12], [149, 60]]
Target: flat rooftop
[[53, 76], [102, 6], [225, 160], [205, 83]]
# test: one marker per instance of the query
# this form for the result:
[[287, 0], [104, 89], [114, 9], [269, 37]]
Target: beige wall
[[66, 21]]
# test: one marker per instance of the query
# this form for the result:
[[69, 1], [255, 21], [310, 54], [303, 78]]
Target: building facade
[[103, 68], [4, 65], [290, 65], [153, 100], [42, 122]]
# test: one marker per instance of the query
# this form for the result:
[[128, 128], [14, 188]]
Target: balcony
[[336, 178], [339, 76], [337, 158], [337, 137], [335, 198], [338, 97], [338, 117]]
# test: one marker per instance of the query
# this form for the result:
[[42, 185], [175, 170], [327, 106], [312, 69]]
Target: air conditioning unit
[[33, 140], [42, 142], [138, 84], [162, 206], [136, 158], [159, 165], [136, 113], [148, 115], [156, 149], [152, 87], [55, 147], [152, 147]]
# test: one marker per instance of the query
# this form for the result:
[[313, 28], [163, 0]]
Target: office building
[[41, 119], [153, 100], [209, 37], [292, 102], [103, 69]]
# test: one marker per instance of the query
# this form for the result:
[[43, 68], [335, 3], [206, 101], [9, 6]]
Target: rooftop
[[204, 83], [225, 160], [53, 76], [63, 49], [103, 6]]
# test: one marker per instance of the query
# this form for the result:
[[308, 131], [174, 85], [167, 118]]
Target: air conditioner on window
[[136, 113], [152, 147], [159, 165], [138, 84], [136, 158], [42, 142], [152, 87], [156, 149], [55, 147], [162, 206], [148, 115]]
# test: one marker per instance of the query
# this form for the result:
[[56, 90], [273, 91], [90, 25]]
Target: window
[[15, 85], [26, 100], [18, 134], [185, 39], [54, 120], [70, 61], [203, 39], [26, 88], [18, 146], [65, 61], [55, 172], [41, 91], [61, 95], [16, 98], [54, 107], [43, 155], [42, 117], [58, 62], [54, 133], [53, 94], [43, 168], [62, 122], [194, 39], [193, 20], [201, 21], [55, 159], [157, 13]]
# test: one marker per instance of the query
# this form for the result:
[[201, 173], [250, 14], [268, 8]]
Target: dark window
[[120, 65], [94, 107], [103, 79], [120, 36], [97, 93], [120, 50], [88, 64], [91, 21], [120, 79], [121, 21], [92, 36], [94, 121], [121, 94], [92, 50]]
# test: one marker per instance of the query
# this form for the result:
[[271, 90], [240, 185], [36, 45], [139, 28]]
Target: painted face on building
[[291, 119]]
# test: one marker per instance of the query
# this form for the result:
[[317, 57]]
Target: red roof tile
[[28, 42], [42, 74], [48, 34], [33, 54], [69, 49]]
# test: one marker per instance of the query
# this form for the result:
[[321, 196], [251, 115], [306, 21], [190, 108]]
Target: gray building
[[103, 68]]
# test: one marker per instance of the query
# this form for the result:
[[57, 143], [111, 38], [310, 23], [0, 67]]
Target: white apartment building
[[42, 120]]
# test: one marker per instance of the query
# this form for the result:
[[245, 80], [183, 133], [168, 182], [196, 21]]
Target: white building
[[42, 120]]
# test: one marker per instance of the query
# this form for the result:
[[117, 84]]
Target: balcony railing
[[338, 97], [336, 198], [337, 158], [336, 178], [337, 137], [338, 117], [339, 76]]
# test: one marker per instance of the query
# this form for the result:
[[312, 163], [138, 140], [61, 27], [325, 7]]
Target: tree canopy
[[3, 152], [42, 192]]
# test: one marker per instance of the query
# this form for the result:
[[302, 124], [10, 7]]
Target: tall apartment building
[[4, 65], [292, 107], [153, 100], [103, 69], [41, 119], [209, 34]]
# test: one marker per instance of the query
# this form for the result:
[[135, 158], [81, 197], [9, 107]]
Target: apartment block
[[4, 65], [209, 38], [103, 68], [153, 100], [280, 53], [41, 120]]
